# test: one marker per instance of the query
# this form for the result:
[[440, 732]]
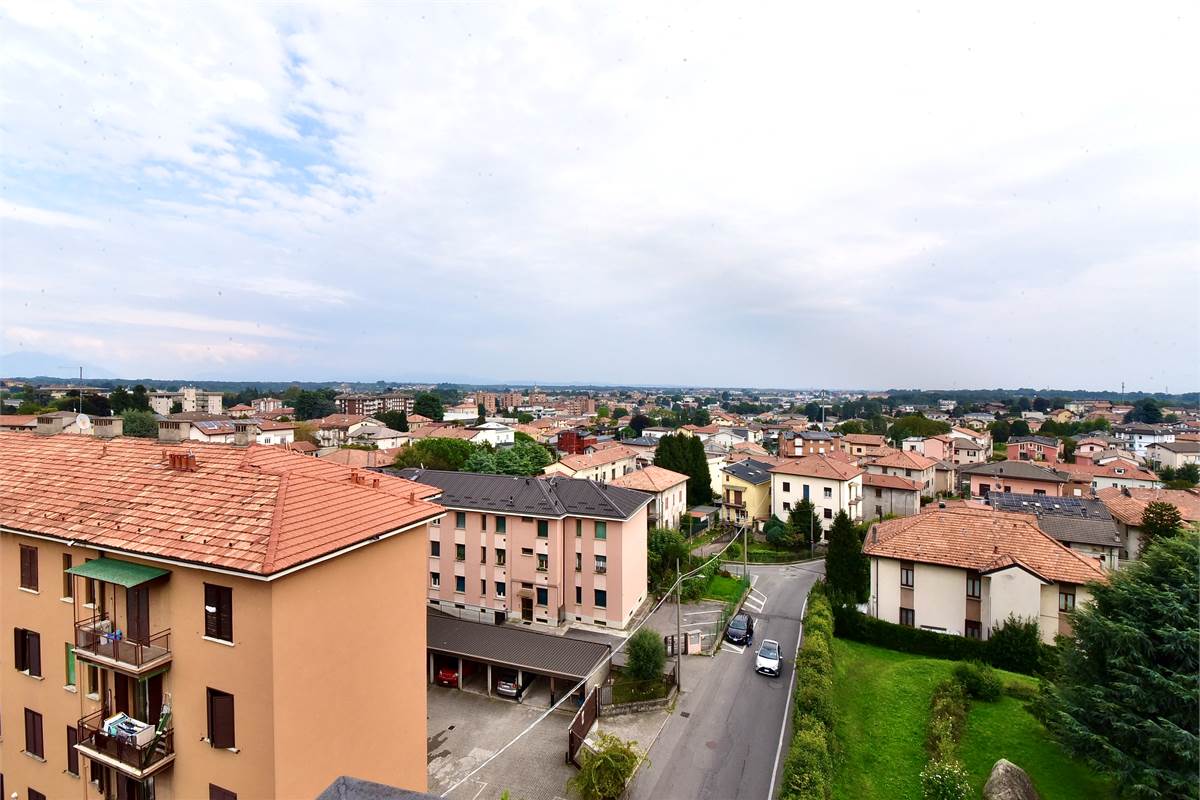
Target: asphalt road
[[722, 738]]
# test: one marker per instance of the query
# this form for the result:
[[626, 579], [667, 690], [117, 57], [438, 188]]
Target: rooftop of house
[[873, 480], [608, 455], [871, 439], [1128, 505], [1019, 470], [984, 541], [439, 431], [905, 459], [18, 421], [1118, 468], [257, 509], [819, 466], [364, 459], [1181, 447], [544, 497], [750, 470], [649, 479], [1080, 520], [342, 421]]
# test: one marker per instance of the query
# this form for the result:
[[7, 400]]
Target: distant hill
[[29, 364]]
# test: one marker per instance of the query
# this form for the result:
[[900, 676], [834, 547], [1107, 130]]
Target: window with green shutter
[[70, 655], [601, 530]]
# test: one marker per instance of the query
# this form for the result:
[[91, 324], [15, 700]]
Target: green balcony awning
[[111, 570]]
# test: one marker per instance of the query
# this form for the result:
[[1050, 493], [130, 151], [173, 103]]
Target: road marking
[[733, 647], [482, 786], [703, 613], [787, 708]]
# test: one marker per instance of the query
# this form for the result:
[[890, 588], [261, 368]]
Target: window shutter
[[33, 647], [218, 612], [217, 793], [72, 753], [33, 733], [220, 719], [210, 611], [20, 654], [225, 613]]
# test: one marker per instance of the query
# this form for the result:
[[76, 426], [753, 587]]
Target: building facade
[[190, 400], [829, 484], [667, 490]]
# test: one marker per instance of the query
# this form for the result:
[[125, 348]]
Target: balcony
[[129, 746], [98, 642]]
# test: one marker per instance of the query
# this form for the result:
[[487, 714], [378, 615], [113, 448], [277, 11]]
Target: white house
[[830, 484], [602, 465], [496, 434], [908, 464], [964, 571], [1173, 454], [382, 437], [337, 430], [668, 488], [1139, 436]]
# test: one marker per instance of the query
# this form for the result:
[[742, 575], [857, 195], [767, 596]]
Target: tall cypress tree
[[847, 570]]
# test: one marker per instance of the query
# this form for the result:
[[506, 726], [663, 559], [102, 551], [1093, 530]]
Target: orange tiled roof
[[1084, 471], [18, 420], [892, 482], [366, 459], [905, 460], [441, 432], [874, 439], [340, 421], [650, 479], [1128, 505], [606, 456], [979, 540], [258, 509], [819, 466]]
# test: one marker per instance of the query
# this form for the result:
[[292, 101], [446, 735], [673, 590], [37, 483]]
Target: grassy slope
[[722, 588], [883, 710]]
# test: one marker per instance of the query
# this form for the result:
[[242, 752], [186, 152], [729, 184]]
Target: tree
[[1041, 404], [396, 420], [639, 423], [314, 405], [524, 419], [1188, 473], [447, 454], [778, 534], [812, 410], [481, 416], [140, 398], [177, 407], [428, 405], [847, 570], [805, 522], [685, 454], [1001, 430], [605, 770], [120, 400], [602, 412], [525, 457], [1125, 695], [305, 432], [141, 424], [619, 412], [916, 425], [664, 548], [1146, 410], [1160, 520], [482, 460], [1017, 645], [646, 655], [1069, 449]]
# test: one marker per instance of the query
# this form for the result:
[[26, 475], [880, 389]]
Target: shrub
[[1017, 646], [605, 771], [947, 719], [808, 766], [808, 769], [647, 654], [944, 780], [1021, 691], [979, 680]]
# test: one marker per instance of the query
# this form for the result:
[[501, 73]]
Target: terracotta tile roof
[[18, 420], [905, 460], [651, 479], [277, 413], [339, 421], [707, 429], [608, 455], [441, 432], [1085, 471], [891, 482], [258, 509], [873, 439], [366, 459], [982, 541], [300, 447], [819, 466], [417, 419], [275, 425], [241, 407], [752, 448], [1128, 505]]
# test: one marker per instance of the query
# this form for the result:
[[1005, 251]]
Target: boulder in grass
[[1008, 782]]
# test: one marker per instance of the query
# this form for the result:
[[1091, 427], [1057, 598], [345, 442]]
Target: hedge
[[808, 768]]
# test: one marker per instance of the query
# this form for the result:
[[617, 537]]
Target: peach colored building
[[545, 550], [1034, 448], [1021, 477], [197, 621], [908, 464], [606, 464], [668, 490]]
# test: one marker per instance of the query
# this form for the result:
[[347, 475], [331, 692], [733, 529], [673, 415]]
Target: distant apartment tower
[[370, 404], [167, 656], [190, 398], [265, 404], [543, 550]]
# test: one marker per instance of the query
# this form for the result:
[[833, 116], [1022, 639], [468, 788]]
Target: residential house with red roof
[[908, 464], [830, 484], [1128, 505], [668, 490], [602, 465], [890, 495], [1034, 448]]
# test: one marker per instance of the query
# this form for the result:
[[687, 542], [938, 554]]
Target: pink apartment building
[[546, 550], [1034, 448], [1019, 477]]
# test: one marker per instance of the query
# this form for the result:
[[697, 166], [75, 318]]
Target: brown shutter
[[218, 623], [33, 652], [33, 734], [72, 753], [20, 653], [220, 719], [217, 793]]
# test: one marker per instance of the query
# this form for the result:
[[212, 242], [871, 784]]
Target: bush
[[947, 719], [1017, 646], [808, 766], [605, 771], [945, 780], [1021, 691], [647, 654], [979, 680]]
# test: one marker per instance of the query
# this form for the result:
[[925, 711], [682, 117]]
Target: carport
[[563, 661]]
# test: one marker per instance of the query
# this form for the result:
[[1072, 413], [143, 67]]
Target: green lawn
[[883, 709], [727, 589]]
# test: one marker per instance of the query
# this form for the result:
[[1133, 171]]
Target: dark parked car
[[740, 630]]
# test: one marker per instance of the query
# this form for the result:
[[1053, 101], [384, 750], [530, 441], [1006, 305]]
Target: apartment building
[[1175, 454], [1137, 437], [1034, 448], [857, 444], [746, 492], [795, 444], [667, 490], [602, 465], [542, 550], [190, 400], [1021, 477], [194, 621], [964, 571], [366, 405], [830, 484], [908, 464]]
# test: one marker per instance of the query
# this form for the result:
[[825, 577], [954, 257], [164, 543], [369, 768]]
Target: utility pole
[[745, 551], [678, 627]]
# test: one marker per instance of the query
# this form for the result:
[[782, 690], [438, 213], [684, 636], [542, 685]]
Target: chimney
[[49, 424], [173, 430], [108, 427], [182, 462], [245, 433]]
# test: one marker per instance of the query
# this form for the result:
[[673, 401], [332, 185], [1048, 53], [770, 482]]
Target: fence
[[585, 717]]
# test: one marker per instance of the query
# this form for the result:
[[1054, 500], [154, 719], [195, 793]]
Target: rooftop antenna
[[79, 397]]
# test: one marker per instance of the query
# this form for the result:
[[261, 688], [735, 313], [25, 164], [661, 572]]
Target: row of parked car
[[740, 631], [504, 681]]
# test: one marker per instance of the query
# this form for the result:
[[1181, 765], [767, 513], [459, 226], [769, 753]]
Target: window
[[435, 549], [501, 556], [879, 492], [543, 528], [1043, 491], [93, 680], [579, 562], [217, 793], [543, 595], [1066, 600], [787, 506], [218, 612], [72, 753], [806, 491], [436, 521], [906, 574], [578, 529], [460, 584], [34, 794], [29, 568], [33, 734], [601, 564], [482, 587], [907, 617], [501, 524], [601, 530], [526, 551], [499, 588], [68, 582], [908, 473], [974, 585], [460, 519], [787, 486], [972, 629], [483, 522], [601, 598], [829, 513], [578, 595], [435, 580], [460, 552], [70, 663], [220, 719], [542, 562], [27, 651], [827, 492], [483, 554]]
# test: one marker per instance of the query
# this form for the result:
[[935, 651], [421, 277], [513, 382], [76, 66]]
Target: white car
[[767, 659]]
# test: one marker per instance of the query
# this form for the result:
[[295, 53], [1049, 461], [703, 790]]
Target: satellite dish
[[83, 421]]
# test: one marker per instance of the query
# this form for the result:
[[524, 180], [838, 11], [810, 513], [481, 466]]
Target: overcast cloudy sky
[[792, 195]]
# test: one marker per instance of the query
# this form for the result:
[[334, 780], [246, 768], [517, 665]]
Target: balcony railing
[[97, 640], [138, 754]]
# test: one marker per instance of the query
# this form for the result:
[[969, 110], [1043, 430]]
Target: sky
[[786, 195]]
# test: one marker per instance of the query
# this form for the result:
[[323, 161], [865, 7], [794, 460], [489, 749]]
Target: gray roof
[[1046, 440], [641, 441], [561, 656], [1080, 520], [372, 432], [750, 471], [1179, 447], [347, 788], [532, 497], [1014, 469]]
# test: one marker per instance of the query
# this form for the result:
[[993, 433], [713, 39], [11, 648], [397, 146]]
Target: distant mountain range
[[26, 363]]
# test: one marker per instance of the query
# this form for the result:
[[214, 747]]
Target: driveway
[[722, 738]]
